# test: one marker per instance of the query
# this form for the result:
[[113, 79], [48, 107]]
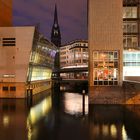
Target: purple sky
[[72, 16]]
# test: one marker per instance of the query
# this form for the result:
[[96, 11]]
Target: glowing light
[[105, 130], [74, 103], [131, 71], [115, 73], [6, 121], [40, 110], [113, 130], [124, 135]]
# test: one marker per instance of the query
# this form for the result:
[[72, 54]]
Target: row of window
[[6, 88], [105, 55], [105, 83], [131, 57], [131, 64], [8, 42]]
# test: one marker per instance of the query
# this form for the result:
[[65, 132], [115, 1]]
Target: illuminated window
[[130, 12], [130, 27], [40, 73], [105, 67], [130, 41]]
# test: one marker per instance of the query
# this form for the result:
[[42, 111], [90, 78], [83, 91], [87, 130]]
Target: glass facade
[[105, 70], [131, 59], [131, 25], [131, 63], [41, 61]]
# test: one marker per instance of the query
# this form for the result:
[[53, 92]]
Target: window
[[105, 70], [130, 27], [5, 88], [9, 42], [130, 41], [13, 88], [130, 12]]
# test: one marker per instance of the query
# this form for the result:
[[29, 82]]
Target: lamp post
[[29, 94]]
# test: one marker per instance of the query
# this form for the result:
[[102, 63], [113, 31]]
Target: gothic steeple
[[55, 34]]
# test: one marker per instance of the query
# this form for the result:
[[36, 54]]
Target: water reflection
[[73, 103], [12, 119], [60, 117], [108, 122]]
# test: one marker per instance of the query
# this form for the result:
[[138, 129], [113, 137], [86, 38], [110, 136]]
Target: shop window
[[105, 68]]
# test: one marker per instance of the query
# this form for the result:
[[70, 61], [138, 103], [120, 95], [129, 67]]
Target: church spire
[[55, 15], [55, 34]]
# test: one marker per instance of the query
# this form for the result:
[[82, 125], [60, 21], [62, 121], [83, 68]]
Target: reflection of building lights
[[40, 110], [105, 130], [29, 130], [73, 103], [96, 129], [124, 135], [113, 130], [6, 120]]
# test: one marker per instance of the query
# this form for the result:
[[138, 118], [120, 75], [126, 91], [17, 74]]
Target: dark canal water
[[56, 115]]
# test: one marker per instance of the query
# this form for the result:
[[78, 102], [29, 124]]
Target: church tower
[[55, 34]]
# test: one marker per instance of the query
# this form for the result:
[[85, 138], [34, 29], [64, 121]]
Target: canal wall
[[128, 93]]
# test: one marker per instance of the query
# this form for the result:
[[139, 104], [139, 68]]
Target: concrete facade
[[15, 59], [105, 32], [26, 61]]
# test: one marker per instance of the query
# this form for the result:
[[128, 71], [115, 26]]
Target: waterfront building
[[131, 65], [131, 23], [131, 40], [105, 43], [27, 60], [5, 13], [74, 55]]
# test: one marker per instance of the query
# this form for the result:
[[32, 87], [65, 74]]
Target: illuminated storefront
[[105, 67], [131, 64]]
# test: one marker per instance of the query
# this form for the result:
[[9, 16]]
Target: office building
[[105, 43], [27, 60], [74, 58]]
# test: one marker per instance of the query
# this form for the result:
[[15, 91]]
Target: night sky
[[72, 16]]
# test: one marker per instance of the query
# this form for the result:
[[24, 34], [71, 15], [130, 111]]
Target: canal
[[61, 115]]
